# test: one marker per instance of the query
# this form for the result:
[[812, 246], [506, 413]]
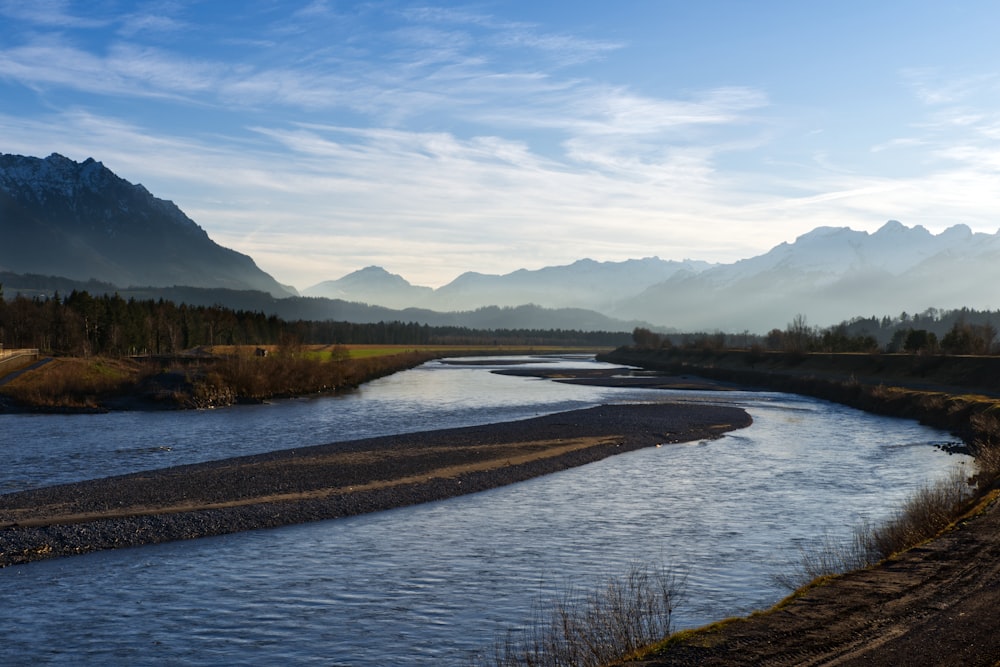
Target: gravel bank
[[335, 480]]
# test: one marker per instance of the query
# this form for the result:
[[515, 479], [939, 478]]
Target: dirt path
[[13, 375], [336, 480]]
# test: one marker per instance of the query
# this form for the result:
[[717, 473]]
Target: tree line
[[961, 331], [81, 324]]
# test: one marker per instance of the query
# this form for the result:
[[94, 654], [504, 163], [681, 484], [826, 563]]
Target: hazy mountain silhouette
[[830, 275], [96, 231], [81, 221], [372, 285], [583, 284]]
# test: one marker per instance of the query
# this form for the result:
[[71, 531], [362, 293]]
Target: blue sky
[[437, 138]]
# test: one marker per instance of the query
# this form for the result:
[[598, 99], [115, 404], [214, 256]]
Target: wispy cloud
[[126, 70], [330, 140], [934, 86], [48, 13], [135, 24]]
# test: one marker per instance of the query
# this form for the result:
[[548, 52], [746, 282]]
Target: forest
[[81, 324]]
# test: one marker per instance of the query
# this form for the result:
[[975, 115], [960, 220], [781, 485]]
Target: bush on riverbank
[[602, 628], [255, 378], [922, 516]]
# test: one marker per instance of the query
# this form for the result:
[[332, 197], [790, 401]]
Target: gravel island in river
[[334, 480]]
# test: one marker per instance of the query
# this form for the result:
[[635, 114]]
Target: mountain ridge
[[585, 283], [81, 221], [831, 275]]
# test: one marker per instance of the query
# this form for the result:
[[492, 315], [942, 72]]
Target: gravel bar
[[334, 480]]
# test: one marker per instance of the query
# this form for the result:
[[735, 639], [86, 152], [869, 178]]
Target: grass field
[[329, 352]]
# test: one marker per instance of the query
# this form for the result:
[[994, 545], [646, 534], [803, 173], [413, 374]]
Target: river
[[435, 583]]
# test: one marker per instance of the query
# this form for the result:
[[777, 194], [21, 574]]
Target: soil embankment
[[960, 394], [931, 605], [335, 480]]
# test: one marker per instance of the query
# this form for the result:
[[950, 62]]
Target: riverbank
[[958, 394], [219, 376], [334, 480], [933, 604]]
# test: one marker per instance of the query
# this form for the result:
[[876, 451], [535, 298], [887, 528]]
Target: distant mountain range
[[67, 225], [582, 284], [80, 222], [829, 275]]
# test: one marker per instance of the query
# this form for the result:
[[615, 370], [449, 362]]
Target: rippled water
[[432, 584], [40, 450]]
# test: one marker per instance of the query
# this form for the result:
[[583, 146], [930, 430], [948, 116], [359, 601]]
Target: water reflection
[[431, 584]]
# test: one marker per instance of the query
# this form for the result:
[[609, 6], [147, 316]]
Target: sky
[[435, 138]]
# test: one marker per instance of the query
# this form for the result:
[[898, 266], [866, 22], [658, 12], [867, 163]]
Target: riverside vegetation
[[218, 376], [621, 619], [961, 394], [112, 353], [206, 379], [953, 392]]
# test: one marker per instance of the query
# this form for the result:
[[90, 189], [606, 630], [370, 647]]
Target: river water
[[434, 584]]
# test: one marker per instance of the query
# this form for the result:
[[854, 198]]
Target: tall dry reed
[[927, 512], [628, 613]]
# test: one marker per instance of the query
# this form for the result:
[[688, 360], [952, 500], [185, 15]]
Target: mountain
[[372, 285], [67, 225], [81, 221], [830, 275], [582, 284], [585, 284], [319, 309]]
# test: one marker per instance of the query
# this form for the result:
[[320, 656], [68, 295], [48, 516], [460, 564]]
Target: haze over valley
[[478, 303], [80, 221]]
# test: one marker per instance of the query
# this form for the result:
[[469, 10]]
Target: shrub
[[926, 513], [629, 613]]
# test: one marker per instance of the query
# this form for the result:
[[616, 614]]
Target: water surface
[[432, 584]]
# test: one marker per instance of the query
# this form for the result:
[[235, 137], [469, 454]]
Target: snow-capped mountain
[[830, 275], [831, 252], [79, 220]]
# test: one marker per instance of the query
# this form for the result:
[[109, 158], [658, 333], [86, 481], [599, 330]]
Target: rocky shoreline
[[336, 480]]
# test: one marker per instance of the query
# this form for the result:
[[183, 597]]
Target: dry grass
[[295, 374], [925, 514], [614, 623], [75, 382]]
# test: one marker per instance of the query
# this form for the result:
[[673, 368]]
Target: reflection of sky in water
[[429, 584], [426, 585], [38, 450]]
